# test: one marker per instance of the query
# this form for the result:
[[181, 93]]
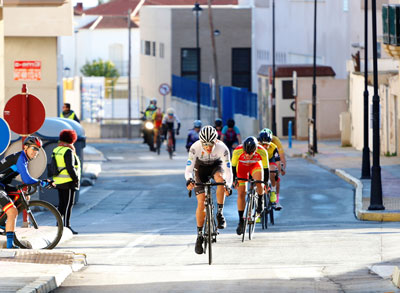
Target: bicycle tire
[[246, 217], [49, 226], [158, 144], [253, 217], [271, 216], [264, 214], [210, 233]]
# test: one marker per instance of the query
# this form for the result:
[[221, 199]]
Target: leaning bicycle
[[43, 227], [210, 230], [250, 215]]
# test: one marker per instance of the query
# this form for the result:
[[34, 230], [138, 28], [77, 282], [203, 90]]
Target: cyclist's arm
[[190, 163], [281, 151], [22, 169]]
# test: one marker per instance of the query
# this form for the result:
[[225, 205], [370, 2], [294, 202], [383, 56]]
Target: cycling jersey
[[170, 121], [14, 165], [198, 156], [273, 154], [278, 143], [157, 118], [192, 137], [245, 165]]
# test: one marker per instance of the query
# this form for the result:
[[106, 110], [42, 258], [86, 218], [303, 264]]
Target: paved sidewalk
[[346, 162]]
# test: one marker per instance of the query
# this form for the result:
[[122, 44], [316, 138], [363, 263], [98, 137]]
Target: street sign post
[[5, 135], [164, 89]]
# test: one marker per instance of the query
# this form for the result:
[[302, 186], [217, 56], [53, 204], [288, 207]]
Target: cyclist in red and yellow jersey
[[249, 159], [265, 139], [157, 118]]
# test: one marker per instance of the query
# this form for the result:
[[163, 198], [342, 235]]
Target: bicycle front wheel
[[246, 217], [210, 232], [44, 228], [252, 221], [158, 144]]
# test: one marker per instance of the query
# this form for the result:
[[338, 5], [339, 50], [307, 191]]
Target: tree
[[100, 68]]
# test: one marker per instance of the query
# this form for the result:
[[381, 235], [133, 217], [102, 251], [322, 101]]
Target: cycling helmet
[[170, 111], [265, 137], [197, 124], [208, 134], [250, 145], [230, 123], [218, 122], [267, 130], [33, 140], [153, 101]]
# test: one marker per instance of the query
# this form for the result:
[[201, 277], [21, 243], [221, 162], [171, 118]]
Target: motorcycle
[[148, 133]]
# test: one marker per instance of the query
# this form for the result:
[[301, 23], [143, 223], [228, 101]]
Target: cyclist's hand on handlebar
[[228, 191], [190, 184], [47, 183], [283, 172]]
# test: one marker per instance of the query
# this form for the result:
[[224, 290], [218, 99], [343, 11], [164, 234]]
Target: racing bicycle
[[268, 208], [250, 215], [210, 230], [44, 228]]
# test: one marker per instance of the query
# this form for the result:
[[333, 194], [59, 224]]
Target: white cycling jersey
[[220, 152]]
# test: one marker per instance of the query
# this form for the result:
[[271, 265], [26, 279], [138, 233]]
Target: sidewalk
[[346, 162]]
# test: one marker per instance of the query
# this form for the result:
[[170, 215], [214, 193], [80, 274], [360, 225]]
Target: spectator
[[68, 113], [193, 134], [68, 180], [218, 127]]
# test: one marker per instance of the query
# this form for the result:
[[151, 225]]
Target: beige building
[[31, 29], [168, 44]]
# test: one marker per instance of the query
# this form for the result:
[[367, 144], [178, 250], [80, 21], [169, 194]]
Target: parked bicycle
[[268, 207], [250, 215], [44, 227], [210, 230]]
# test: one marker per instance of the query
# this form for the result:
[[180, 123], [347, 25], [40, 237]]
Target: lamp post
[[376, 202], [197, 11], [366, 165], [314, 86], [273, 71]]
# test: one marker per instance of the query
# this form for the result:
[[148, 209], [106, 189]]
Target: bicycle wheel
[[271, 216], [246, 217], [158, 144], [44, 229], [252, 222], [210, 233], [264, 214]]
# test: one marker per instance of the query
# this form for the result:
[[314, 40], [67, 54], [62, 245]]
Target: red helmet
[[33, 140]]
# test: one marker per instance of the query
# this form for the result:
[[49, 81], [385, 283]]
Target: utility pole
[[129, 74]]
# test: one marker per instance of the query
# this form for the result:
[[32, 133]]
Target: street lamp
[[376, 202], [366, 165], [197, 11], [273, 71]]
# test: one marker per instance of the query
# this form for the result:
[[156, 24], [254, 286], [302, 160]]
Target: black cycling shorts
[[202, 173]]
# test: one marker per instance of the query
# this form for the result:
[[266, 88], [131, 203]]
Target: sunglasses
[[207, 144], [34, 148]]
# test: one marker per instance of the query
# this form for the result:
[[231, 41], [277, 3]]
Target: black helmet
[[250, 144], [218, 122], [230, 123], [265, 137], [33, 140]]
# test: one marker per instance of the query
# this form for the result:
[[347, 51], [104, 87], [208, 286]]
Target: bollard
[[290, 134]]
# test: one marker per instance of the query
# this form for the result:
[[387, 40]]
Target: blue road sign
[[5, 135]]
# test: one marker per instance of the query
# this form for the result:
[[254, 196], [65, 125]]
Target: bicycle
[[250, 208], [170, 143], [269, 208], [158, 142], [210, 230], [45, 227]]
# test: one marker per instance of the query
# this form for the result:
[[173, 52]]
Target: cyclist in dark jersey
[[10, 167]]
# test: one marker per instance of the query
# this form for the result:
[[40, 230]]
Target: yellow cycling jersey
[[239, 156], [278, 143], [272, 151]]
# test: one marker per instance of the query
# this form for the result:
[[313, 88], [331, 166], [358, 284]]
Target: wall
[[331, 101], [27, 49]]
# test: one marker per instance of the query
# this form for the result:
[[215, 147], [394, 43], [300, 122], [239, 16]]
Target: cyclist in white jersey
[[208, 157]]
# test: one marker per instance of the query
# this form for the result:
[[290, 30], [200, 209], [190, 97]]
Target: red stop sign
[[24, 113]]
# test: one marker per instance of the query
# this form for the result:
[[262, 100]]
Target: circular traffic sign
[[164, 89], [5, 135], [28, 122]]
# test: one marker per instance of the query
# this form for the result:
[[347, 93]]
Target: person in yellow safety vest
[[68, 179], [68, 113]]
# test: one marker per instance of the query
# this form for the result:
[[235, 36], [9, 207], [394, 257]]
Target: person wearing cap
[[68, 113], [10, 167], [193, 134], [68, 178]]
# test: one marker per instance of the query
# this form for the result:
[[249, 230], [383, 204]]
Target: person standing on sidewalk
[[68, 178], [68, 113]]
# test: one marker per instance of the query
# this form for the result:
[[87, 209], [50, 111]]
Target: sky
[[86, 3]]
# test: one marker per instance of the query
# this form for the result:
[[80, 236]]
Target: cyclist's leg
[[11, 211], [155, 135], [200, 214], [273, 176], [218, 177], [258, 174]]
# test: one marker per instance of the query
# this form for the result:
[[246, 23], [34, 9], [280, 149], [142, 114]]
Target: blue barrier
[[290, 134], [234, 100]]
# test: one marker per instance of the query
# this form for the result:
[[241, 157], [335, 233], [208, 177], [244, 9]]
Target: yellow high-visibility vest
[[63, 176], [71, 116]]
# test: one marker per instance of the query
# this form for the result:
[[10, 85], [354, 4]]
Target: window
[[241, 67], [345, 5], [287, 89], [154, 48], [147, 49], [161, 50], [189, 67]]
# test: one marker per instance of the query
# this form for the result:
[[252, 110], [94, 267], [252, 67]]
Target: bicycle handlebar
[[206, 184], [250, 180], [31, 188]]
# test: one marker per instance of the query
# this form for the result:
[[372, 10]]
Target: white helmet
[[170, 111], [208, 134]]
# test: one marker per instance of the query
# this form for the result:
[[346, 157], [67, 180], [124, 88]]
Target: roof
[[121, 7], [303, 70], [111, 22]]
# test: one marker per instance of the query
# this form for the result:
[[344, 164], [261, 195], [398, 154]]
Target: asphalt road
[[140, 231]]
